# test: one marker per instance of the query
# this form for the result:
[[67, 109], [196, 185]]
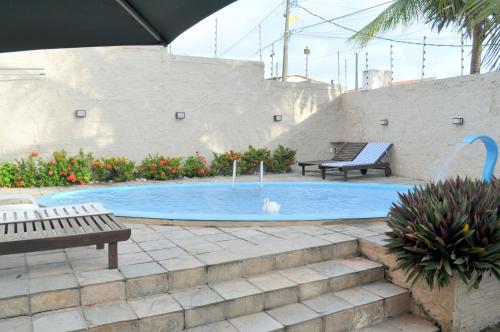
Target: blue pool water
[[219, 201]]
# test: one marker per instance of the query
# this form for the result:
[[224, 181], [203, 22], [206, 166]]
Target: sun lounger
[[60, 227], [369, 158], [348, 152]]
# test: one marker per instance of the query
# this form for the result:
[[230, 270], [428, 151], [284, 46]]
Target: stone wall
[[132, 93]]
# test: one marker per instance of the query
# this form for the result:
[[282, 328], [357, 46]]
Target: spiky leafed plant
[[447, 226], [479, 19]]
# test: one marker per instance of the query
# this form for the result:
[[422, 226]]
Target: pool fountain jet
[[234, 173], [261, 177], [491, 153]]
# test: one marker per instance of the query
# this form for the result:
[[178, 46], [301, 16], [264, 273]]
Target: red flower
[[174, 170], [162, 162], [51, 173], [34, 154], [201, 172], [169, 168], [82, 182], [71, 178]]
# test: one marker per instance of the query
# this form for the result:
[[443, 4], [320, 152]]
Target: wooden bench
[[60, 228]]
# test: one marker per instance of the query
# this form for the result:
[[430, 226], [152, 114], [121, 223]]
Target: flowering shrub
[[447, 226], [158, 167], [222, 164], [196, 166], [63, 170], [8, 173], [114, 169], [282, 160], [251, 158]]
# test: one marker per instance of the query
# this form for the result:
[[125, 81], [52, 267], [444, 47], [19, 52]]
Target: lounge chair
[[29, 230], [348, 152], [369, 158]]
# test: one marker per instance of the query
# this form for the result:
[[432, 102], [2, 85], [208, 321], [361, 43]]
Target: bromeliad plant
[[447, 226]]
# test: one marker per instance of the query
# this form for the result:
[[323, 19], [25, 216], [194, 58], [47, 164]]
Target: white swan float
[[270, 206]]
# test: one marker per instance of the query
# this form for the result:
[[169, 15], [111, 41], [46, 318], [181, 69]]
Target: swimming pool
[[220, 202]]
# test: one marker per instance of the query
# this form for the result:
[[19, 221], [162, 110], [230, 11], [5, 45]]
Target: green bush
[[31, 172], [63, 170], [447, 226], [158, 167], [282, 160], [250, 160], [222, 164], [196, 166], [114, 169], [8, 173]]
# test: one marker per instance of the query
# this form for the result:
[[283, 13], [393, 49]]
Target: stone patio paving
[[175, 277]]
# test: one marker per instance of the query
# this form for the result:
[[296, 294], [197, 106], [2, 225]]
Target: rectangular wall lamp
[[278, 118], [80, 113], [384, 122], [180, 115], [458, 121]]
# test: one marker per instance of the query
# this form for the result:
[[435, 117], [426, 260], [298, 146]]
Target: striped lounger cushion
[[370, 155]]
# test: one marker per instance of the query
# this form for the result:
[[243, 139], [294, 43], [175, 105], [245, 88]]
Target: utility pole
[[357, 74], [286, 40], [345, 74], [307, 51], [216, 31], [462, 53], [338, 69], [423, 58], [272, 60], [277, 68], [260, 42]]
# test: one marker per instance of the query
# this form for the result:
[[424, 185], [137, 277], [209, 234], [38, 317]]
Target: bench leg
[[303, 170], [113, 255], [100, 246], [345, 175], [323, 173]]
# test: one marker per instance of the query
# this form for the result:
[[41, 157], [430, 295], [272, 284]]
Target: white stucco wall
[[420, 122], [132, 93]]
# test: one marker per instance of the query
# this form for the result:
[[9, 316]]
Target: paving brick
[[406, 323], [202, 306], [337, 314], [259, 322], [369, 271], [53, 292], [17, 324], [311, 283], [241, 297], [145, 279], [158, 313], [38, 271], [60, 321], [14, 306], [170, 253], [297, 317], [223, 326], [157, 245], [278, 289], [185, 272], [110, 317], [101, 286], [57, 257], [223, 272], [396, 299]]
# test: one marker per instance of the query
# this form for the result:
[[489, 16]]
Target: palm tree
[[479, 19]]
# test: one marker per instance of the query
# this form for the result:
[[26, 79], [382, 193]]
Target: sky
[[238, 38]]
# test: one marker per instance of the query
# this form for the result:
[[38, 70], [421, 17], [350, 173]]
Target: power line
[[268, 16], [376, 37], [340, 17]]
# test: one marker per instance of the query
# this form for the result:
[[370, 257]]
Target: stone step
[[352, 308], [404, 323], [58, 286], [217, 301]]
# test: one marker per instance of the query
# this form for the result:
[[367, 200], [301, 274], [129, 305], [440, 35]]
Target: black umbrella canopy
[[47, 24]]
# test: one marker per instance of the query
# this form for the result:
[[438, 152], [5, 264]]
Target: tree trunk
[[477, 48]]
